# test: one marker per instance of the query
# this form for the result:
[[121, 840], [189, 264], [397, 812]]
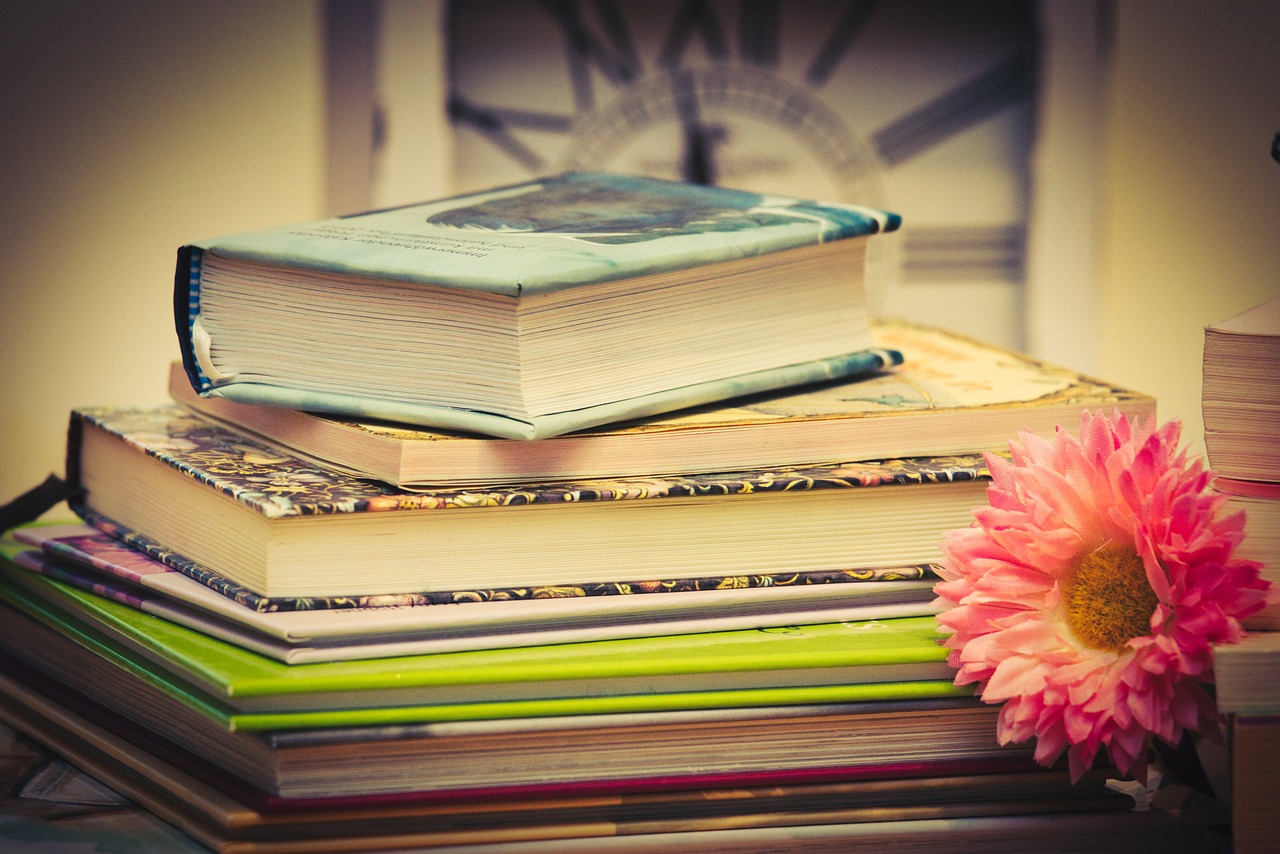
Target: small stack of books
[[630, 539], [1242, 441], [1241, 403]]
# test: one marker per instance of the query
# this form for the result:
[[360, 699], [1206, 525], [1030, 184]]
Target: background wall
[[125, 130], [129, 128], [1191, 195]]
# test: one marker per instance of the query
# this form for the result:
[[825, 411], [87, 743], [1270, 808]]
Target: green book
[[99, 646], [536, 309]]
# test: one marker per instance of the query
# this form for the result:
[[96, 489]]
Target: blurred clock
[[923, 108]]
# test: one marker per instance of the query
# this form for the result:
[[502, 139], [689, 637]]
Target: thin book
[[84, 557], [632, 674], [952, 395]]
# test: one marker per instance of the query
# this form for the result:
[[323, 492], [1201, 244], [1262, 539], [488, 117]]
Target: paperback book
[[86, 558], [211, 499], [535, 309], [954, 395], [924, 773], [242, 689]]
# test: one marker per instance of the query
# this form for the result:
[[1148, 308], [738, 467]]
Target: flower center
[[1108, 599]]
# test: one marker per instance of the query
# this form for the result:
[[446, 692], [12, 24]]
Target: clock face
[[922, 108]]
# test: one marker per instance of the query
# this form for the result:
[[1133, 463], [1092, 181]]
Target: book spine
[[75, 433], [186, 305]]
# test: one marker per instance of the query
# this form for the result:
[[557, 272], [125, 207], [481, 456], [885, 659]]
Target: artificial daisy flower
[[1087, 595]]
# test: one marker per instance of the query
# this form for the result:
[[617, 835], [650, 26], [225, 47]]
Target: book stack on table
[[1242, 441], [697, 614]]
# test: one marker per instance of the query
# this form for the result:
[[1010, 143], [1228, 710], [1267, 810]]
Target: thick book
[[1245, 675], [953, 395], [1260, 502], [634, 674], [282, 527], [1240, 395], [86, 558], [535, 309]]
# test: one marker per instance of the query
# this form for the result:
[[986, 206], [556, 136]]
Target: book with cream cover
[[953, 395]]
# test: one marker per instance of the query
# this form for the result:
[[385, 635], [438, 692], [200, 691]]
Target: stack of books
[[1242, 441], [631, 543], [1241, 404]]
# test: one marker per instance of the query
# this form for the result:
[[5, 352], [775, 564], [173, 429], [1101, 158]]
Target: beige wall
[[127, 128], [1191, 230]]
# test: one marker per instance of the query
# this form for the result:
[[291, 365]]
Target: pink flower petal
[[1122, 485]]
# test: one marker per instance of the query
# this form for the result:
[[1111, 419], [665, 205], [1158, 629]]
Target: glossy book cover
[[554, 233]]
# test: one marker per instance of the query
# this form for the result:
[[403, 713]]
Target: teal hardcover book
[[89, 638], [536, 309]]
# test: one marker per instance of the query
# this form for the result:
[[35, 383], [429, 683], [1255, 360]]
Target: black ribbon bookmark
[[28, 506]]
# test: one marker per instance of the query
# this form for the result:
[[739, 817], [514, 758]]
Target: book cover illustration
[[125, 554], [557, 232]]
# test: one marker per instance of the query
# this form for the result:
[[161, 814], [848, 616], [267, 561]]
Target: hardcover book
[[461, 620], [953, 395], [219, 501], [535, 309]]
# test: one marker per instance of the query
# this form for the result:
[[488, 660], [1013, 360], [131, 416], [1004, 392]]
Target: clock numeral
[[693, 18], [953, 112], [614, 56], [759, 23], [838, 43], [495, 124], [964, 253]]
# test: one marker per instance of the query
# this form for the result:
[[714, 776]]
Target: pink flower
[[1086, 597]]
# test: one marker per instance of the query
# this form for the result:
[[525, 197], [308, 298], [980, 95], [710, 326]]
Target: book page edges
[[555, 424]]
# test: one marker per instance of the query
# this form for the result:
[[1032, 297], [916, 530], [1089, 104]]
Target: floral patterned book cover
[[276, 484], [128, 556], [276, 487]]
